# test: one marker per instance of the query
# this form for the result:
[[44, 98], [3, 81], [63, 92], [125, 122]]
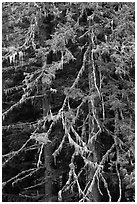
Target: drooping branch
[[35, 186], [22, 148], [16, 177], [106, 186], [82, 68], [25, 174], [40, 154], [16, 152], [24, 99], [94, 74]]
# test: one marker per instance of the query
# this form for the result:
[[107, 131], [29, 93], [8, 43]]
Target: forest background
[[68, 101]]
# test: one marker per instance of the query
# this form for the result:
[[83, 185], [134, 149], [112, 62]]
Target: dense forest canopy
[[68, 96]]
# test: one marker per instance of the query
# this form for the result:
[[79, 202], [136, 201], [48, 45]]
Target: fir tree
[[68, 101]]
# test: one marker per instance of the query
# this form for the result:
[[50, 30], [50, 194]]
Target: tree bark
[[47, 150]]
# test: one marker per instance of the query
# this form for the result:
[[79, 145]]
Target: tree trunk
[[47, 150], [48, 172]]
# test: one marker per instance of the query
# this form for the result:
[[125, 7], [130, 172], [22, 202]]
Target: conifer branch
[[16, 152], [103, 107], [10, 109], [58, 150], [78, 110], [94, 74], [25, 67], [82, 68], [32, 147], [15, 88], [97, 171], [22, 100], [102, 100], [40, 154], [105, 53], [35, 186], [119, 183], [98, 180], [16, 180], [78, 138], [72, 180], [94, 114], [31, 125], [16, 177], [106, 186], [31, 197]]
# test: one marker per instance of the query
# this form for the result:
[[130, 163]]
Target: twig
[[84, 34], [39, 160], [34, 186], [32, 197], [103, 107]]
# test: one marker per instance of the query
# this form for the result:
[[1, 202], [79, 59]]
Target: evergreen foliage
[[68, 101]]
